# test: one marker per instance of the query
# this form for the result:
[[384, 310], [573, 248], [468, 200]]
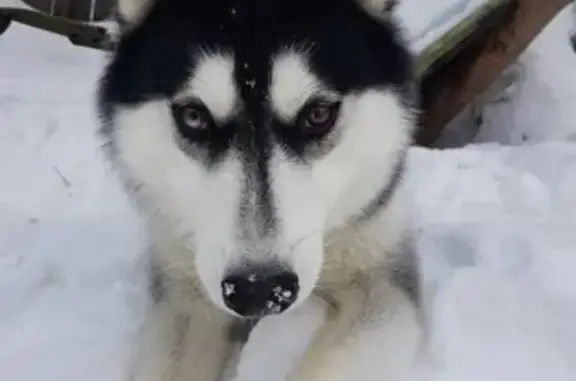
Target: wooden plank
[[448, 89], [447, 44], [104, 9], [62, 8], [79, 10], [78, 32], [5, 22], [41, 5]]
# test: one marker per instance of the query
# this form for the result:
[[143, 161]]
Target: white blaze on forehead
[[212, 81], [292, 83]]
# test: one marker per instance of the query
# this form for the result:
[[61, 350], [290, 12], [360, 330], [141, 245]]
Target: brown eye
[[321, 116]]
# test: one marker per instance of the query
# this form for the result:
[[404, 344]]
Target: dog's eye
[[320, 117], [192, 115]]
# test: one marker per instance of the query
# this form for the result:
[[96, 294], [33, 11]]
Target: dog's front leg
[[276, 343], [175, 344], [374, 336]]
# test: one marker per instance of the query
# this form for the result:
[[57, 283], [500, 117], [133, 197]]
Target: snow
[[536, 99], [426, 22], [494, 223]]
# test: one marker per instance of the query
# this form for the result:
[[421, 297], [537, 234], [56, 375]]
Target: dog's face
[[256, 126]]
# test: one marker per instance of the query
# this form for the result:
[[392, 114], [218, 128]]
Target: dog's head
[[256, 126]]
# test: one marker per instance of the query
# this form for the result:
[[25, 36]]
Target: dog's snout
[[254, 293]]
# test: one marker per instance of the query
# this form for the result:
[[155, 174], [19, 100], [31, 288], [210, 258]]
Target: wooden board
[[476, 62], [5, 22], [76, 10], [78, 32]]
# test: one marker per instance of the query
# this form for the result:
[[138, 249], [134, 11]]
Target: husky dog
[[265, 141]]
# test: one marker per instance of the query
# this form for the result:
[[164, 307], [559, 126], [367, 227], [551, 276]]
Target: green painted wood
[[78, 32], [448, 43]]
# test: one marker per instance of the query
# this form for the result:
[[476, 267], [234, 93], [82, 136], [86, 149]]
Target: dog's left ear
[[378, 7]]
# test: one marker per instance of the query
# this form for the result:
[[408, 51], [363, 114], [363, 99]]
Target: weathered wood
[[448, 44], [79, 33], [61, 8], [5, 22], [451, 86], [77, 10]]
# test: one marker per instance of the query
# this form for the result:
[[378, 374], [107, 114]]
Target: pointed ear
[[378, 7], [132, 12]]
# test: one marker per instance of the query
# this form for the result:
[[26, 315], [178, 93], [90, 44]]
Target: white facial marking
[[200, 206], [212, 81], [292, 84], [309, 200], [315, 198]]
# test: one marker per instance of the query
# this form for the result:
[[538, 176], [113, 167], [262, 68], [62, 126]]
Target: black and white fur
[[265, 141]]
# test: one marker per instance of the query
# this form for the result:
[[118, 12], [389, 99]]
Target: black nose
[[260, 292]]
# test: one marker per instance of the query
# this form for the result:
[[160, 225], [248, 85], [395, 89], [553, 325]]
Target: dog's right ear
[[132, 12]]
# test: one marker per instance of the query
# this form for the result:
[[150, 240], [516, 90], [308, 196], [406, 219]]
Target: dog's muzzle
[[257, 292]]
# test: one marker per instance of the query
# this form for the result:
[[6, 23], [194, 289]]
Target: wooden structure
[[473, 56], [85, 10], [453, 71], [83, 33]]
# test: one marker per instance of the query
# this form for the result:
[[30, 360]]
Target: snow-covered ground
[[495, 225], [540, 105]]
